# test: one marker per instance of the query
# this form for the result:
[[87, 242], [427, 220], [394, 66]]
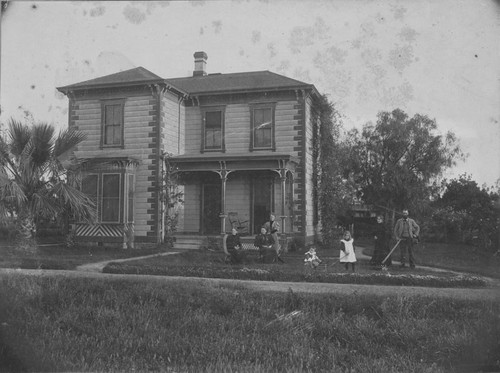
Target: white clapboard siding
[[170, 123], [237, 128], [137, 119], [192, 209], [192, 139]]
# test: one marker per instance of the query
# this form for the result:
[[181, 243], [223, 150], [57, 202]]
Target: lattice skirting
[[104, 232]]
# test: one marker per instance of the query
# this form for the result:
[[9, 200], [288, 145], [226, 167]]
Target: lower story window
[[106, 191], [110, 198]]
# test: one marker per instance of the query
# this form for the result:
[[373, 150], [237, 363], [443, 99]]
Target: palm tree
[[38, 177]]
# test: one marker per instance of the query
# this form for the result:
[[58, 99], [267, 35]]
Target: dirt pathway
[[98, 267], [491, 293]]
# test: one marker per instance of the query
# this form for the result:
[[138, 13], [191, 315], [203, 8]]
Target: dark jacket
[[381, 233], [413, 228], [263, 240], [233, 241]]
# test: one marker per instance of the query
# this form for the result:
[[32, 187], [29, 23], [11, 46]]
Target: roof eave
[[71, 88], [228, 157], [247, 90]]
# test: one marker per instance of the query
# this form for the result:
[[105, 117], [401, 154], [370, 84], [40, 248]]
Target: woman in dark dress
[[381, 238], [234, 247], [272, 228]]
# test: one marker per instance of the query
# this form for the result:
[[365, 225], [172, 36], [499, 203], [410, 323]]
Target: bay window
[[113, 200]]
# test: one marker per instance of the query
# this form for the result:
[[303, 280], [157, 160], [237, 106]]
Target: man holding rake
[[406, 232]]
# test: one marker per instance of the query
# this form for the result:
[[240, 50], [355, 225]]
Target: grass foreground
[[65, 324]]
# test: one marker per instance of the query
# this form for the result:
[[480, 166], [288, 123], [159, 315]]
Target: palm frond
[[11, 192], [77, 202], [34, 174], [67, 140], [42, 143], [4, 152], [19, 135], [44, 205]]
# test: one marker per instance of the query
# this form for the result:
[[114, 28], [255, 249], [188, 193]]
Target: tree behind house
[[333, 191], [467, 213], [395, 162]]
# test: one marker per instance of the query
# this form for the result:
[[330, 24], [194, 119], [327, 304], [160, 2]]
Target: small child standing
[[347, 254]]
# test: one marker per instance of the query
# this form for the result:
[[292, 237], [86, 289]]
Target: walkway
[[94, 270], [98, 267], [491, 293], [493, 283]]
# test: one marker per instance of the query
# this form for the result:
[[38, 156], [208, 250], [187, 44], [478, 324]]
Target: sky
[[438, 58]]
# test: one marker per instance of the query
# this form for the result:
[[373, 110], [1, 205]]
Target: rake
[[337, 261], [384, 268]]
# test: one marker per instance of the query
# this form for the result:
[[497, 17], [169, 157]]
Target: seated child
[[312, 259]]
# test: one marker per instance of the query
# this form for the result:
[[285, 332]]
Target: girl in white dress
[[347, 254]]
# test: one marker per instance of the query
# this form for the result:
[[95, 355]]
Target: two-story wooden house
[[242, 143]]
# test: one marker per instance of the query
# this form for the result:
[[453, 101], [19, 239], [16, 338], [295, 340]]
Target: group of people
[[266, 241], [406, 232]]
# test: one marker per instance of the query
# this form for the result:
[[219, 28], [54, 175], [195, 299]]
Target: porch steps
[[188, 242]]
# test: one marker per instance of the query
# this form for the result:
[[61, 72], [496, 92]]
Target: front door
[[211, 208], [262, 202]]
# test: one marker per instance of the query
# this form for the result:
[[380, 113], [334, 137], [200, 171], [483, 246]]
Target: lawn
[[454, 257], [60, 257], [459, 257], [204, 263], [65, 324]]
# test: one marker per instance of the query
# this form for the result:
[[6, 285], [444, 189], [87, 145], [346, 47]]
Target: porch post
[[223, 173], [223, 215], [283, 199], [282, 172]]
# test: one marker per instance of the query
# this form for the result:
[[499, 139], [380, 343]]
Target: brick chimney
[[200, 64]]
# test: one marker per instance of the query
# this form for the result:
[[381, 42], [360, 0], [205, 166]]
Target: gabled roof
[[138, 75], [247, 81]]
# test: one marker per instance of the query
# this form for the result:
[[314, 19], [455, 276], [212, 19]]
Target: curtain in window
[[113, 124], [262, 125], [213, 130]]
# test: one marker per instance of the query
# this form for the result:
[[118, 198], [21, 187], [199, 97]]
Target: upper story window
[[262, 131], [112, 123], [213, 129]]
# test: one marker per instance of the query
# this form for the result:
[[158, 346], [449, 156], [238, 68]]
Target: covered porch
[[239, 191]]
